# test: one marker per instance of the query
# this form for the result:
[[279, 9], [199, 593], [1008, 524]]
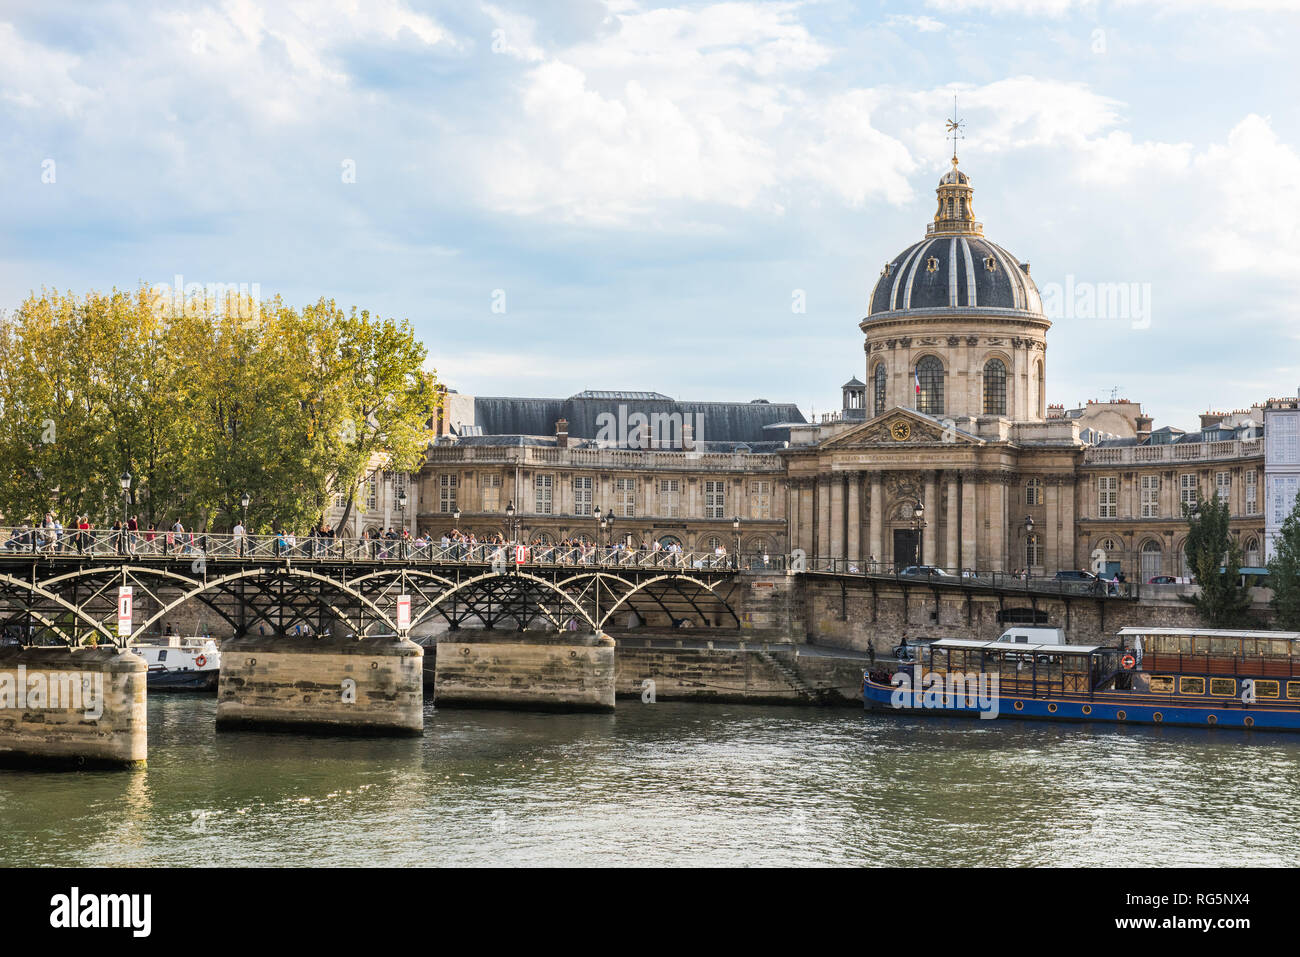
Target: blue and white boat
[[1179, 676], [179, 663]]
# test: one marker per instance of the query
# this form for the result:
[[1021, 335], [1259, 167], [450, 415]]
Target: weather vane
[[955, 129]]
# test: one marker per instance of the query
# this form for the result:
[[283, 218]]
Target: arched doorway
[[1152, 560]]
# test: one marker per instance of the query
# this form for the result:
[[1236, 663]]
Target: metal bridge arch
[[38, 590], [675, 580], [267, 574], [516, 576]]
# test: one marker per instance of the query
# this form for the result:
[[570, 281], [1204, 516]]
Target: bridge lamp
[[126, 481], [455, 515], [401, 500], [510, 511], [1029, 524]]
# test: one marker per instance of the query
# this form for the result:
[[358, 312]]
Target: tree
[[1284, 572], [1214, 557]]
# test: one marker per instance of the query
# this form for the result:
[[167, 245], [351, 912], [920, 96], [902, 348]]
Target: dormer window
[[932, 264], [990, 263]]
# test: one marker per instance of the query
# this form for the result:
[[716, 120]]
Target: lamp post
[[401, 507], [735, 529], [511, 524], [1029, 531], [918, 523], [243, 502], [126, 498]]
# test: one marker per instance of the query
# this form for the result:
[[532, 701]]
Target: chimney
[[1210, 419], [562, 434], [1143, 423]]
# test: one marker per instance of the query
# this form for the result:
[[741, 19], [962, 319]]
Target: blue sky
[[650, 190]]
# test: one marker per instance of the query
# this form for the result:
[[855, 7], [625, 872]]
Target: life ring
[[1129, 662], [200, 661]]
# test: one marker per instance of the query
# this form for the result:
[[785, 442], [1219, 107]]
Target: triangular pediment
[[902, 427]]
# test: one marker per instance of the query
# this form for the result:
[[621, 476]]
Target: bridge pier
[[82, 707], [323, 685], [568, 671]]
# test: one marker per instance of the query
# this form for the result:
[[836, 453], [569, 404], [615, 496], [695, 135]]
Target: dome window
[[990, 264], [932, 264], [889, 268]]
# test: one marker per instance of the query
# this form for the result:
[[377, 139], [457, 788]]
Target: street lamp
[[243, 502], [401, 507], [735, 528], [918, 522], [511, 523], [126, 498]]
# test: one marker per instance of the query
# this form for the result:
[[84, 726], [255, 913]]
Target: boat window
[[1191, 685], [1223, 686], [1225, 646], [1162, 683], [1265, 689], [1293, 689], [162, 655]]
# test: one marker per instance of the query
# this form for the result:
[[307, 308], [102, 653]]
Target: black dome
[[955, 272]]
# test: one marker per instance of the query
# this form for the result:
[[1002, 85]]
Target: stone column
[[930, 534], [823, 545], [998, 522], [951, 558], [792, 515], [1066, 549], [877, 552], [855, 518], [806, 516], [969, 556], [837, 516], [1051, 536]]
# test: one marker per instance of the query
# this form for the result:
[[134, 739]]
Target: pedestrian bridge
[[69, 588]]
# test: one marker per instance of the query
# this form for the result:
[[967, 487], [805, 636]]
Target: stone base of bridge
[[80, 708], [324, 685], [569, 671]]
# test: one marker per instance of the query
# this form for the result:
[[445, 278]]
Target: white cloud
[[37, 78], [923, 23]]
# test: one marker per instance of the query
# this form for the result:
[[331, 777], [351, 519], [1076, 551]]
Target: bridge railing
[[977, 578], [192, 546]]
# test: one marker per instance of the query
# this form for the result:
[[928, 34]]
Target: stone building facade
[[948, 454]]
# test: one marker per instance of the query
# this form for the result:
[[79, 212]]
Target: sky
[[693, 199]]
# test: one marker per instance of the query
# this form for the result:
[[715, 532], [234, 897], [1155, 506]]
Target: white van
[[1033, 636]]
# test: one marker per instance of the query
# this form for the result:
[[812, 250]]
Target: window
[[544, 486], [715, 499], [1251, 553], [1150, 485], [398, 481], [929, 375], [1191, 685], [760, 499], [995, 387], [446, 493], [1223, 686], [372, 492], [712, 544], [1189, 491], [1252, 492], [491, 493], [1034, 492], [1223, 485], [625, 497], [1033, 551], [1107, 495], [582, 495], [670, 497], [879, 385], [1293, 689], [1162, 683], [1265, 689], [1152, 558]]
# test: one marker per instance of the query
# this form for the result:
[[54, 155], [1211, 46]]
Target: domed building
[[955, 327]]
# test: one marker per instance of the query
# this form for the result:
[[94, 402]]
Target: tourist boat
[[179, 663], [1179, 676]]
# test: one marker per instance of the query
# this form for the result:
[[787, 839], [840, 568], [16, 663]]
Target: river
[[669, 784]]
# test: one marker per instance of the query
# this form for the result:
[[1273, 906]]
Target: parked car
[[925, 571], [1163, 580], [1069, 575]]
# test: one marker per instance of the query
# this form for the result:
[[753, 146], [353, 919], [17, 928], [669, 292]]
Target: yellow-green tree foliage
[[200, 402]]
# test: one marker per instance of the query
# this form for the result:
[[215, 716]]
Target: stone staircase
[[790, 672]]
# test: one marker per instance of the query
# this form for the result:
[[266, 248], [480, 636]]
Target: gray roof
[[586, 412]]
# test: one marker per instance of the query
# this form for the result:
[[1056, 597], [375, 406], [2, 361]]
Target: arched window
[[995, 387], [1033, 550], [1034, 492], [1152, 558], [1252, 553], [1184, 566], [713, 543], [929, 375], [879, 387]]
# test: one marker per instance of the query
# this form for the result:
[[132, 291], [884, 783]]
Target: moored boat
[[1179, 676], [179, 663]]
